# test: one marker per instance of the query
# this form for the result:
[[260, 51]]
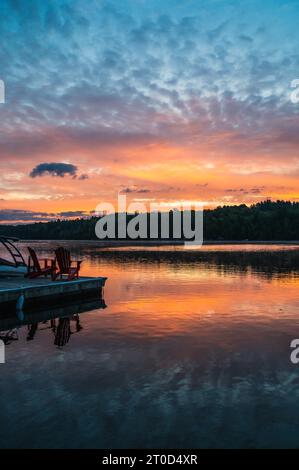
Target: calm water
[[192, 350]]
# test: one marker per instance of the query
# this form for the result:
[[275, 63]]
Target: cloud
[[72, 214], [169, 82], [9, 215], [54, 169], [134, 189], [19, 215], [154, 69], [245, 38], [255, 190]]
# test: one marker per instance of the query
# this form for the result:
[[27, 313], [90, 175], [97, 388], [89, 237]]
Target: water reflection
[[9, 336], [55, 320], [61, 329], [265, 262], [193, 350]]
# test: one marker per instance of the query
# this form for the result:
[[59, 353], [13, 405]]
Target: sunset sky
[[161, 100]]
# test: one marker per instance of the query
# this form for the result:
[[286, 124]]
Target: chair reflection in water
[[32, 329], [9, 336], [61, 329]]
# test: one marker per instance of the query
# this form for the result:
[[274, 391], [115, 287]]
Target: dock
[[41, 292]]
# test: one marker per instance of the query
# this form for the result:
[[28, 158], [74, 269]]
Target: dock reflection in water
[[62, 321]]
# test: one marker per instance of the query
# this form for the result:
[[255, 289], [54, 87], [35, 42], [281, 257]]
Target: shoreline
[[111, 244]]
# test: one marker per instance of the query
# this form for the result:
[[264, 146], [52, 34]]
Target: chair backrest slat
[[34, 258], [63, 257]]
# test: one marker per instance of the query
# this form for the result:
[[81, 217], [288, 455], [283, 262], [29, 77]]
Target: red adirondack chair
[[34, 266], [66, 265]]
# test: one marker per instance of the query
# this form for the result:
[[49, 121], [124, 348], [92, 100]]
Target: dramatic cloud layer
[[177, 99]]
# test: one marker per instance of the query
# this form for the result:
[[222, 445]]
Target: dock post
[[2, 352], [20, 302]]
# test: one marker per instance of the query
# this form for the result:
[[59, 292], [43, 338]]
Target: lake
[[191, 351]]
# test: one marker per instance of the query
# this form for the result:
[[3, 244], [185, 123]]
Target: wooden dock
[[41, 292]]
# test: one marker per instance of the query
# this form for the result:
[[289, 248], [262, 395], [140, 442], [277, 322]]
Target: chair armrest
[[49, 262], [76, 262]]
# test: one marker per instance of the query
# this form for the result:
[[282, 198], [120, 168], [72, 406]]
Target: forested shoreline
[[264, 221]]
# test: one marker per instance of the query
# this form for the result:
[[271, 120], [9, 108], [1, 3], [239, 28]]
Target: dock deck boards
[[37, 290]]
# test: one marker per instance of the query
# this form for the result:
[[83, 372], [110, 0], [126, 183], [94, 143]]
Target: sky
[[162, 101]]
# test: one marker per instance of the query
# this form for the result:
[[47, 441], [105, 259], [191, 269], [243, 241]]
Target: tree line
[[267, 220]]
